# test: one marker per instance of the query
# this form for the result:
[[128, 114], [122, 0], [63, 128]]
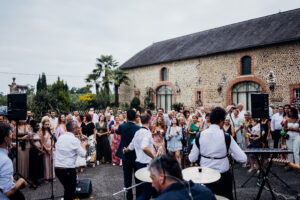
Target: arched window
[[246, 65], [241, 93], [164, 74], [164, 98]]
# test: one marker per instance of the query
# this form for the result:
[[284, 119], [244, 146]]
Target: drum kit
[[201, 175]]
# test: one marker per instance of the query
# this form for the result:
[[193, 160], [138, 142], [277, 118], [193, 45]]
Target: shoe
[[250, 170], [98, 163], [258, 171]]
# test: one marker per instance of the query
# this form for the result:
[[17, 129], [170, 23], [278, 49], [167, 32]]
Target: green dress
[[192, 136]]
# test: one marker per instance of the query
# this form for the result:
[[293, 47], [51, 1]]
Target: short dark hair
[[168, 165], [294, 112], [88, 117], [217, 115], [131, 115], [70, 125], [145, 118], [4, 131]]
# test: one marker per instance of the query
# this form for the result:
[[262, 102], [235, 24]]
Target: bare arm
[[148, 152], [20, 182]]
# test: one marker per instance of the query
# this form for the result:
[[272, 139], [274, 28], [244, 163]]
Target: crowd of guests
[[173, 133]]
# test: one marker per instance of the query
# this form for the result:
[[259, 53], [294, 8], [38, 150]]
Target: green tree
[[3, 99], [43, 82], [105, 64], [94, 78], [118, 77], [82, 90], [60, 96]]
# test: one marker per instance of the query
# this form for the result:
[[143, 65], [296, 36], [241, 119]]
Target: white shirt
[[68, 148], [276, 122], [142, 139], [53, 122], [95, 118], [212, 144], [242, 115], [271, 113]]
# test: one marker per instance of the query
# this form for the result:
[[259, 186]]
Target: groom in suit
[[127, 131]]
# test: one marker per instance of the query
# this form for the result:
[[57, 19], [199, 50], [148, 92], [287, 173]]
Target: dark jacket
[[179, 191], [127, 131]]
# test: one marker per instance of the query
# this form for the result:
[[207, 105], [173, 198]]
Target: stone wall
[[283, 59]]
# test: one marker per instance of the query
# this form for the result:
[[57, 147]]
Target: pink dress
[[59, 131], [47, 158], [159, 144], [115, 144]]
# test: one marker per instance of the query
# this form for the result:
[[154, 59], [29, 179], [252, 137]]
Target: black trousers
[[276, 136], [223, 186], [67, 177], [129, 168]]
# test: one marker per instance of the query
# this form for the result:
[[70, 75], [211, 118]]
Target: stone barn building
[[221, 66]]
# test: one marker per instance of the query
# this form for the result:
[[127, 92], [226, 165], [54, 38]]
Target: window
[[296, 93], [246, 65], [241, 93], [199, 98], [164, 98], [164, 76]]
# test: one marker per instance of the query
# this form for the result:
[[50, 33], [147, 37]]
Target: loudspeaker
[[16, 106], [83, 188], [260, 105]]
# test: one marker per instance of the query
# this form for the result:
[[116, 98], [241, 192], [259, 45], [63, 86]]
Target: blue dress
[[174, 143]]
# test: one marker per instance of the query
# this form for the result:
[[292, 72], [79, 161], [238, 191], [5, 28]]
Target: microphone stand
[[51, 167], [233, 179]]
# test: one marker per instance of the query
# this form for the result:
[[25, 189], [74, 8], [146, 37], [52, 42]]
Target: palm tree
[[93, 78], [106, 64], [118, 77]]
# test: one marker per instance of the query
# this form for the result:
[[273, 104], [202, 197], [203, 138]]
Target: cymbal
[[220, 197], [201, 175], [143, 174]]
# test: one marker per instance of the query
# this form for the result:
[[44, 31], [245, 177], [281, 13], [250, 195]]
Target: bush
[[177, 106], [135, 103]]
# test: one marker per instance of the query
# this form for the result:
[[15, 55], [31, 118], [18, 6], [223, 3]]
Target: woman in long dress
[[61, 126], [23, 148], [115, 141], [36, 169], [89, 131], [158, 133], [48, 144], [80, 162], [103, 146]]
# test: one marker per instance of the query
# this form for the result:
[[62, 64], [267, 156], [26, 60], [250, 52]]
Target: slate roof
[[268, 30]]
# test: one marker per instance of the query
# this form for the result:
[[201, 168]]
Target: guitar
[[285, 163]]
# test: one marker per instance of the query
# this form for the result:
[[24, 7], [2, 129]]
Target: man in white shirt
[[213, 152], [76, 114], [242, 112], [276, 126], [94, 115], [142, 143], [68, 148], [53, 120]]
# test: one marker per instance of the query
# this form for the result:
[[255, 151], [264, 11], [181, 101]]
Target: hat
[[229, 107]]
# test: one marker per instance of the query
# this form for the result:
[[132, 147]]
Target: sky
[[64, 37]]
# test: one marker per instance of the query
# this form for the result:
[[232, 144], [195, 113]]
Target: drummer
[[142, 143], [167, 180], [213, 152]]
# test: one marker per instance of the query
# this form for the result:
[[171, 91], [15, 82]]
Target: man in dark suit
[[127, 131]]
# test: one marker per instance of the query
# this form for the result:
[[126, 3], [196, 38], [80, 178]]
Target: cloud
[[65, 37]]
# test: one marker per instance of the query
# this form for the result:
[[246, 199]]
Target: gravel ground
[[107, 179]]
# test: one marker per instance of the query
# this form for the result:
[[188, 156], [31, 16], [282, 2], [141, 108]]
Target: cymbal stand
[[126, 189]]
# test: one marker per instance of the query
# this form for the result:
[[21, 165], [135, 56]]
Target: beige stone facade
[[205, 75]]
